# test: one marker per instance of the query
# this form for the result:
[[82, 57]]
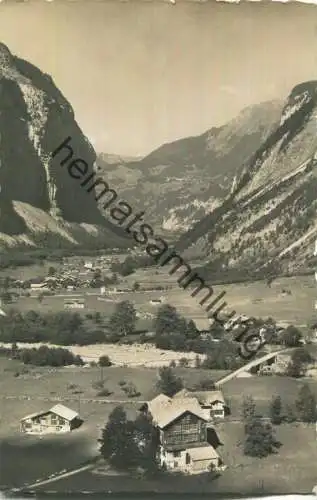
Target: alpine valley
[[254, 178]]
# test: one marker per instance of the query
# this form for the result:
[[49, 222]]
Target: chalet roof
[[165, 411], [59, 410], [33, 415], [203, 397], [203, 453], [207, 397], [64, 412], [157, 402]]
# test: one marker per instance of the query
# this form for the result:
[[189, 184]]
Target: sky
[[142, 73]]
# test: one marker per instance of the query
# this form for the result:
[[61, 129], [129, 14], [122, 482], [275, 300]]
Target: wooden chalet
[[182, 429], [56, 420]]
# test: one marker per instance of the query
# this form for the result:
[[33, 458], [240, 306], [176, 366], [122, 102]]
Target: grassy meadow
[[252, 299], [37, 389]]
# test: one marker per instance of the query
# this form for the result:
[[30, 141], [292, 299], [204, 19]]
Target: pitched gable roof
[[203, 397], [208, 397], [165, 410], [64, 412]]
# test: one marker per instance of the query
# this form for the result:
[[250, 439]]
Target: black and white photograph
[[158, 249]]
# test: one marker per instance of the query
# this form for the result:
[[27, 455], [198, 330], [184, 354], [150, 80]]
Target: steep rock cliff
[[34, 119]]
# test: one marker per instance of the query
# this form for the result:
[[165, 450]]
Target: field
[[40, 388], [123, 355], [253, 299]]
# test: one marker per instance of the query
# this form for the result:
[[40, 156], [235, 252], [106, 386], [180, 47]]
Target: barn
[[57, 419]]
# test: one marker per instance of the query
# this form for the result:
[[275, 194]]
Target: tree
[[117, 443], [129, 444], [123, 320], [146, 438], [259, 438], [104, 361], [276, 410], [291, 336], [289, 415], [248, 408], [306, 405], [136, 286], [51, 271], [191, 330], [217, 331], [168, 382], [167, 320], [296, 367]]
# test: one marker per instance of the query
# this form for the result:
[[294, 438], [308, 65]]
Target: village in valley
[[96, 357]]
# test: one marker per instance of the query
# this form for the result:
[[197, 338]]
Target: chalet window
[[177, 454], [187, 458]]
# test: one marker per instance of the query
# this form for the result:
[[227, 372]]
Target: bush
[[71, 387], [122, 383], [104, 392], [97, 385], [104, 361], [205, 384], [45, 356], [131, 391]]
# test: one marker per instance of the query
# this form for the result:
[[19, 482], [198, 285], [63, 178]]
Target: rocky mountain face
[[38, 196], [269, 219], [181, 182]]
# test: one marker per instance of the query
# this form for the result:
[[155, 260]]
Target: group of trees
[[174, 332], [304, 411], [62, 328], [67, 328], [125, 268], [131, 264], [44, 356], [123, 320], [259, 437], [129, 444]]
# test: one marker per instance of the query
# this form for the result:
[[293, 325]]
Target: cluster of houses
[[188, 440]]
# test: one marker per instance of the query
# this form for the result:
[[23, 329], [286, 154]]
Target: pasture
[[39, 387], [252, 299]]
